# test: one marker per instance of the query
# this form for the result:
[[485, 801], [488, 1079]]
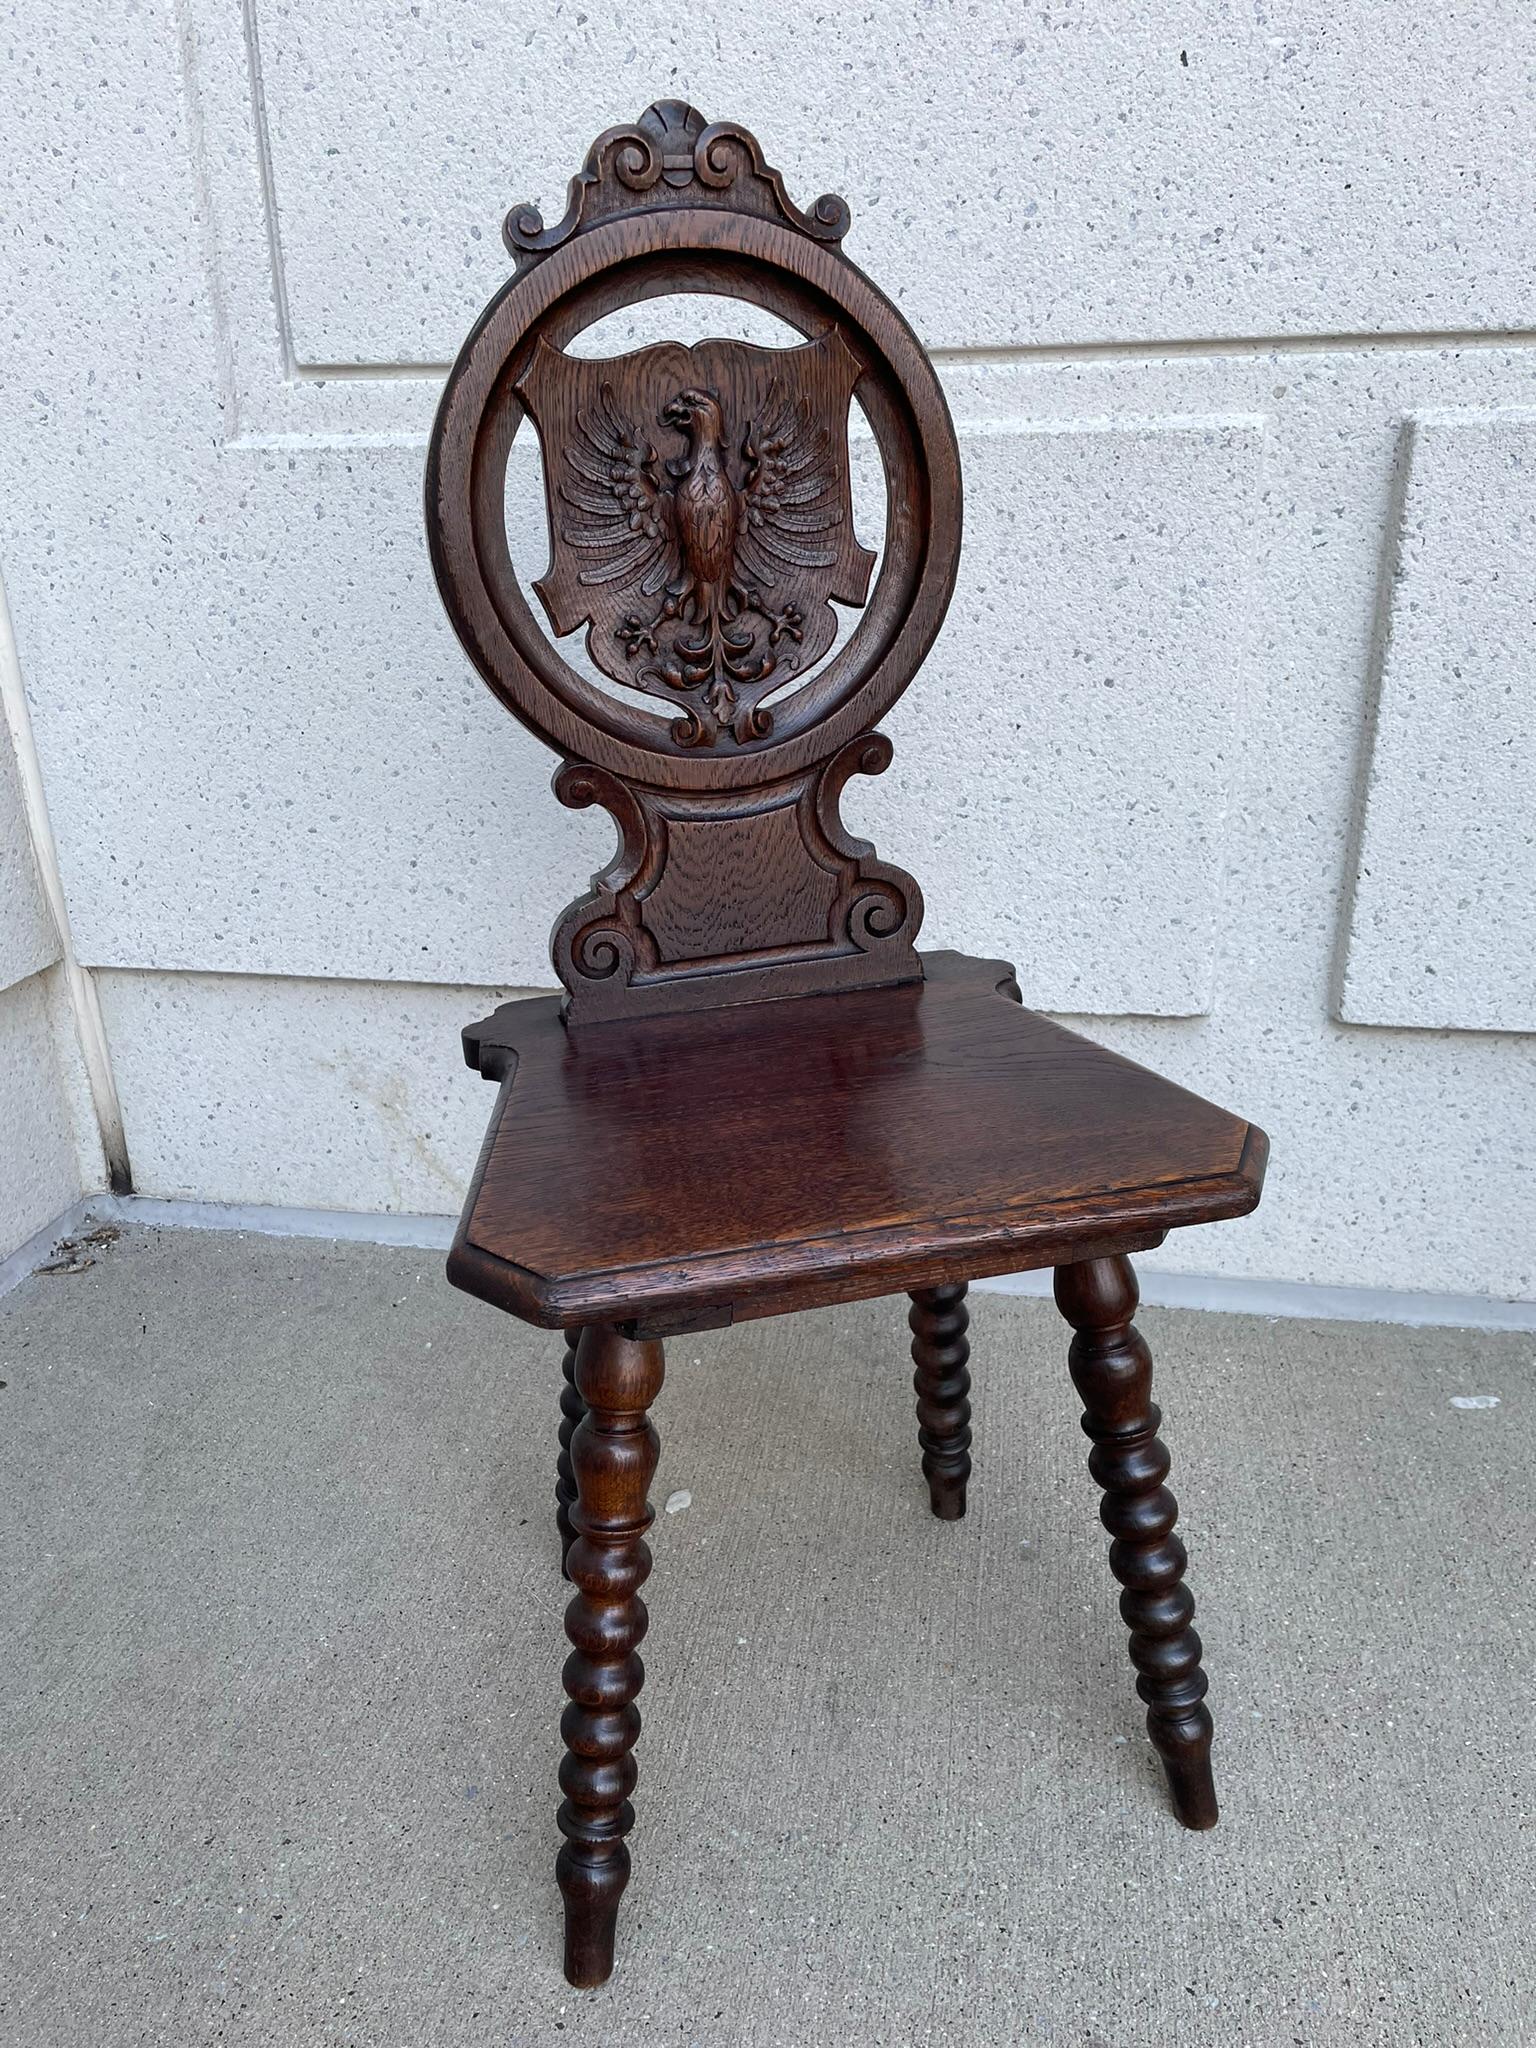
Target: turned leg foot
[[572, 1409], [613, 1455], [938, 1320], [1112, 1371]]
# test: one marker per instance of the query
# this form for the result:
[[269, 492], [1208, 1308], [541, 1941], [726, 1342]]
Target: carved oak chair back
[[756, 1095], [701, 533]]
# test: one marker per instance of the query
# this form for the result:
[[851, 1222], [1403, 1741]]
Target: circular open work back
[[701, 526]]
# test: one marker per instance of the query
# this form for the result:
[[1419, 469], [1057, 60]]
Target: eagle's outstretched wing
[[626, 526], [791, 493], [771, 458]]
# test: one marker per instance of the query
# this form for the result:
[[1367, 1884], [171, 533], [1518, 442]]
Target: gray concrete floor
[[281, 1680]]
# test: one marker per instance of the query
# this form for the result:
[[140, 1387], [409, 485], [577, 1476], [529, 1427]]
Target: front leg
[[572, 1409], [938, 1321], [1112, 1371], [613, 1457]]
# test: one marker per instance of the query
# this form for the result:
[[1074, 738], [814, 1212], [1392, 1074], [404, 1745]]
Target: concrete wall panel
[[1443, 933], [287, 813]]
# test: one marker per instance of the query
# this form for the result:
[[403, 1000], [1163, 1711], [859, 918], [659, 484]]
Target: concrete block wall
[[48, 1151], [1228, 741]]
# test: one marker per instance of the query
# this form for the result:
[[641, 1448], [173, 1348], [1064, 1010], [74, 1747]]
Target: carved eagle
[[704, 568]]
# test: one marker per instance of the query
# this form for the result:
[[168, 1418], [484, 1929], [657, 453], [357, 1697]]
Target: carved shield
[[700, 518]]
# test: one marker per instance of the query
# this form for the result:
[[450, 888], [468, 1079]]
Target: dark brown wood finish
[[572, 1409], [756, 1094], [897, 1138], [727, 897], [613, 1455], [700, 519], [938, 1320], [701, 530], [1112, 1370]]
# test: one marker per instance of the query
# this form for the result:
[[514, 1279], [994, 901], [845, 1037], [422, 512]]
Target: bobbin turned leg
[[1112, 1371], [938, 1320], [572, 1409], [613, 1457]]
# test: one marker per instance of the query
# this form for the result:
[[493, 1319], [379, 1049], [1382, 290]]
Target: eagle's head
[[695, 412]]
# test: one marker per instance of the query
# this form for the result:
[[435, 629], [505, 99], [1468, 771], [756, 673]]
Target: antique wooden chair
[[756, 1095]]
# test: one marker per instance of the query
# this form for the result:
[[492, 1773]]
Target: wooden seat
[[756, 1095], [892, 1138]]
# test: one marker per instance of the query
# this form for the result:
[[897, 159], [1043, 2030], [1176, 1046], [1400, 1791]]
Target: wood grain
[[756, 1094], [743, 1161], [701, 532]]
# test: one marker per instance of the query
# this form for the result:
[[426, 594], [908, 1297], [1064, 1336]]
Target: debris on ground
[[70, 1254]]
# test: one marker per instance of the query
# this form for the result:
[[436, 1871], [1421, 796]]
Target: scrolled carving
[[628, 157], [639, 164], [878, 913], [830, 217], [578, 785], [870, 754], [702, 540], [883, 905], [670, 154], [739, 688], [707, 891], [601, 935]]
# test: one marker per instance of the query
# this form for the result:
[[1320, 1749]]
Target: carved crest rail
[[702, 540]]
